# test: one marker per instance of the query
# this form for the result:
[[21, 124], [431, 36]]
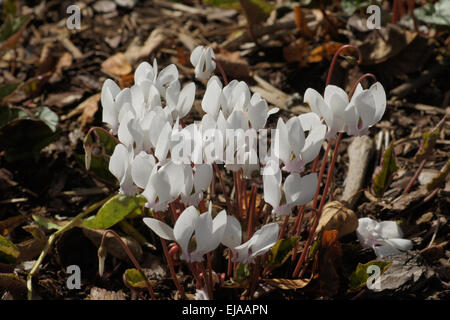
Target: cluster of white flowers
[[165, 159], [354, 116]]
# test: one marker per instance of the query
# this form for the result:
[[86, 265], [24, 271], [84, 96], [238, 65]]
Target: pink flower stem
[[230, 264], [237, 191], [414, 178], [132, 258], [284, 227], [170, 263], [207, 283], [222, 71], [222, 185], [254, 277], [337, 53], [321, 173], [301, 214], [367, 75], [196, 275], [210, 271], [302, 208], [251, 212], [319, 211]]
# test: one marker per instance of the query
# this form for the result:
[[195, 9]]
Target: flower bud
[[101, 260]]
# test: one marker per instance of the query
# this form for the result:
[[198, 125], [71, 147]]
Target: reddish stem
[[367, 75], [208, 284], [302, 208], [333, 62], [319, 211], [222, 185], [251, 212], [230, 264], [222, 71], [170, 263], [284, 227], [132, 258], [416, 175]]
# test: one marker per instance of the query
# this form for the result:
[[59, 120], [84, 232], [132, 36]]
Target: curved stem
[[222, 71], [131, 256], [170, 263], [367, 75], [333, 62], [53, 238]]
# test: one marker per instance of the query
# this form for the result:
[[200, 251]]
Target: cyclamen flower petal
[[202, 60], [208, 232], [291, 146], [147, 72], [112, 99], [120, 167], [261, 242], [212, 98], [297, 190], [385, 238], [141, 168], [258, 112], [233, 233], [365, 109]]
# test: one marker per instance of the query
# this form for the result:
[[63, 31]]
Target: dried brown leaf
[[336, 216], [288, 284], [117, 65]]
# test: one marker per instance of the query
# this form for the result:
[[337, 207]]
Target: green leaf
[[439, 180], [384, 174], [224, 4], [350, 6], [314, 247], [99, 146], [281, 251], [437, 13], [242, 272], [359, 277], [115, 210], [428, 142], [46, 223], [135, 278], [256, 11], [7, 89], [11, 26], [23, 136], [48, 117], [8, 251]]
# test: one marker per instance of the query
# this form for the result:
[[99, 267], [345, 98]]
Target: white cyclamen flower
[[330, 107], [112, 99], [297, 190], [290, 144], [120, 165], [385, 237], [366, 108], [197, 181], [145, 73], [163, 186], [208, 232], [202, 60], [180, 102], [261, 241]]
